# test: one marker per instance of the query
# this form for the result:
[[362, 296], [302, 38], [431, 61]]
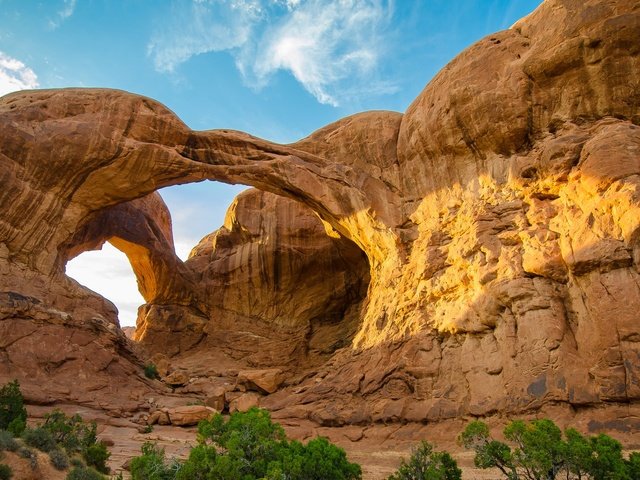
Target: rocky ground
[[378, 448]]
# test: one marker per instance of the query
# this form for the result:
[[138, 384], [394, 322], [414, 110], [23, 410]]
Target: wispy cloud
[[332, 47], [65, 12], [322, 44], [203, 26], [15, 75]]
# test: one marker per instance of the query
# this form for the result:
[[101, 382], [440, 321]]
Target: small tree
[[72, 433], [96, 456], [250, 446], [541, 453], [490, 453], [425, 464], [151, 465], [13, 415]]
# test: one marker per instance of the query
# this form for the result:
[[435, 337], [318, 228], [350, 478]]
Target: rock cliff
[[494, 226]]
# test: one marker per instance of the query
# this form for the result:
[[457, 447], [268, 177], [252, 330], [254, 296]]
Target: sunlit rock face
[[498, 216]]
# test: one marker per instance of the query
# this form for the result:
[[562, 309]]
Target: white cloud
[[15, 75], [205, 26], [327, 45], [109, 273], [322, 44], [65, 12]]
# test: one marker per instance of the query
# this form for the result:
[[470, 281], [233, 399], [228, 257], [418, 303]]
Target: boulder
[[216, 399], [189, 415], [177, 378], [244, 402], [264, 380]]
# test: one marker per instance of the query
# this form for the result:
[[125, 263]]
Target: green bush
[[71, 433], [39, 438], [541, 453], [151, 371], [317, 460], [633, 465], [13, 415], [5, 472], [7, 442], [425, 464], [250, 446], [96, 456], [247, 446], [59, 459], [84, 473], [151, 465], [30, 455]]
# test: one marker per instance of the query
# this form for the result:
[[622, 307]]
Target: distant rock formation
[[499, 218]]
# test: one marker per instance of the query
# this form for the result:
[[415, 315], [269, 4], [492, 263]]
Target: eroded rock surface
[[499, 218]]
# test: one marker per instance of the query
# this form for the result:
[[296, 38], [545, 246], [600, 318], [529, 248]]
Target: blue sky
[[278, 69]]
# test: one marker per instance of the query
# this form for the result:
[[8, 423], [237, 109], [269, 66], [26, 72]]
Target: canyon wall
[[494, 226]]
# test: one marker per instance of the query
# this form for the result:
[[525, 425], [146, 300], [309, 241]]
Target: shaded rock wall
[[273, 289]]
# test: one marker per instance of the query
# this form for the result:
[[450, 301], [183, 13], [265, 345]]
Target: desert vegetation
[[247, 446], [68, 441], [539, 450], [250, 446]]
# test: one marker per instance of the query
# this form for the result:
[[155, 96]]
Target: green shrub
[[7, 442], [96, 456], [39, 438], [425, 464], [151, 371], [250, 446], [633, 465], [59, 459], [30, 455], [84, 473], [541, 453], [152, 465], [13, 415], [318, 459], [5, 472], [72, 433], [247, 446]]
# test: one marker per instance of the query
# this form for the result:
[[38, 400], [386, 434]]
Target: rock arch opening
[[271, 268], [108, 272]]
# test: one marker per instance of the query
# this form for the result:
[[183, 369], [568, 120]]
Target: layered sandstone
[[272, 288], [499, 218]]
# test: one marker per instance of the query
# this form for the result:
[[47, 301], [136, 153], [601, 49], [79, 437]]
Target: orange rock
[[176, 379], [216, 399], [266, 381], [189, 415], [244, 402]]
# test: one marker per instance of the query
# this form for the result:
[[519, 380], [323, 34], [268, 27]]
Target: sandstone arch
[[498, 213]]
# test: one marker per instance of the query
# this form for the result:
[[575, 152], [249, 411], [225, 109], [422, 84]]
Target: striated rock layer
[[499, 218]]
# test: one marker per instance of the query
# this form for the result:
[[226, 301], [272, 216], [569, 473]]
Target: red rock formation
[[272, 287], [499, 216]]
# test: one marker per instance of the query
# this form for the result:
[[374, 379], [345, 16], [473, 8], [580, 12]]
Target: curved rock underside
[[483, 255]]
